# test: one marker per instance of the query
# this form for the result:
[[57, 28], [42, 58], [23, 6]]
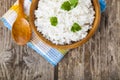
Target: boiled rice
[[83, 14]]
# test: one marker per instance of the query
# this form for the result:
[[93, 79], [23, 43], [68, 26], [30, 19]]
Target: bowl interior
[[96, 22]]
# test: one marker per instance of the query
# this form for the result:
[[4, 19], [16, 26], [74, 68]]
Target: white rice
[[61, 34]]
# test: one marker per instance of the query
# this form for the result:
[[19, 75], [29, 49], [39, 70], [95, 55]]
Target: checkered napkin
[[52, 55]]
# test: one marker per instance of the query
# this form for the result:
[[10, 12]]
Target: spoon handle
[[21, 8]]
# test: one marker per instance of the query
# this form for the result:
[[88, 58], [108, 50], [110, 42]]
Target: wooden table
[[98, 59]]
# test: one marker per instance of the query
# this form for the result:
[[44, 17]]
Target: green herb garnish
[[76, 27], [73, 3], [53, 21], [66, 6]]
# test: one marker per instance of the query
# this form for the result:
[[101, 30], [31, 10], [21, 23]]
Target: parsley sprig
[[68, 5], [76, 27], [53, 21], [73, 3]]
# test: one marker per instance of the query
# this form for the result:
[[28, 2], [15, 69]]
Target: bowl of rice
[[64, 24]]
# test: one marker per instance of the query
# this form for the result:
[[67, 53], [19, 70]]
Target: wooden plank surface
[[98, 59], [20, 63]]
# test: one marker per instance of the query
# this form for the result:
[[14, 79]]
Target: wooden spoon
[[21, 31]]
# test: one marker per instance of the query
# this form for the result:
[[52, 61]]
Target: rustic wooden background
[[98, 59]]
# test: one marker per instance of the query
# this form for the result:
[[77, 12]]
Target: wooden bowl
[[96, 22]]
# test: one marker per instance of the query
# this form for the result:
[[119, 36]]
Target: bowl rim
[[75, 44]]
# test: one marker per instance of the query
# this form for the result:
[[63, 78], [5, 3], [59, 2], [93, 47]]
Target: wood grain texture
[[20, 62], [98, 59]]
